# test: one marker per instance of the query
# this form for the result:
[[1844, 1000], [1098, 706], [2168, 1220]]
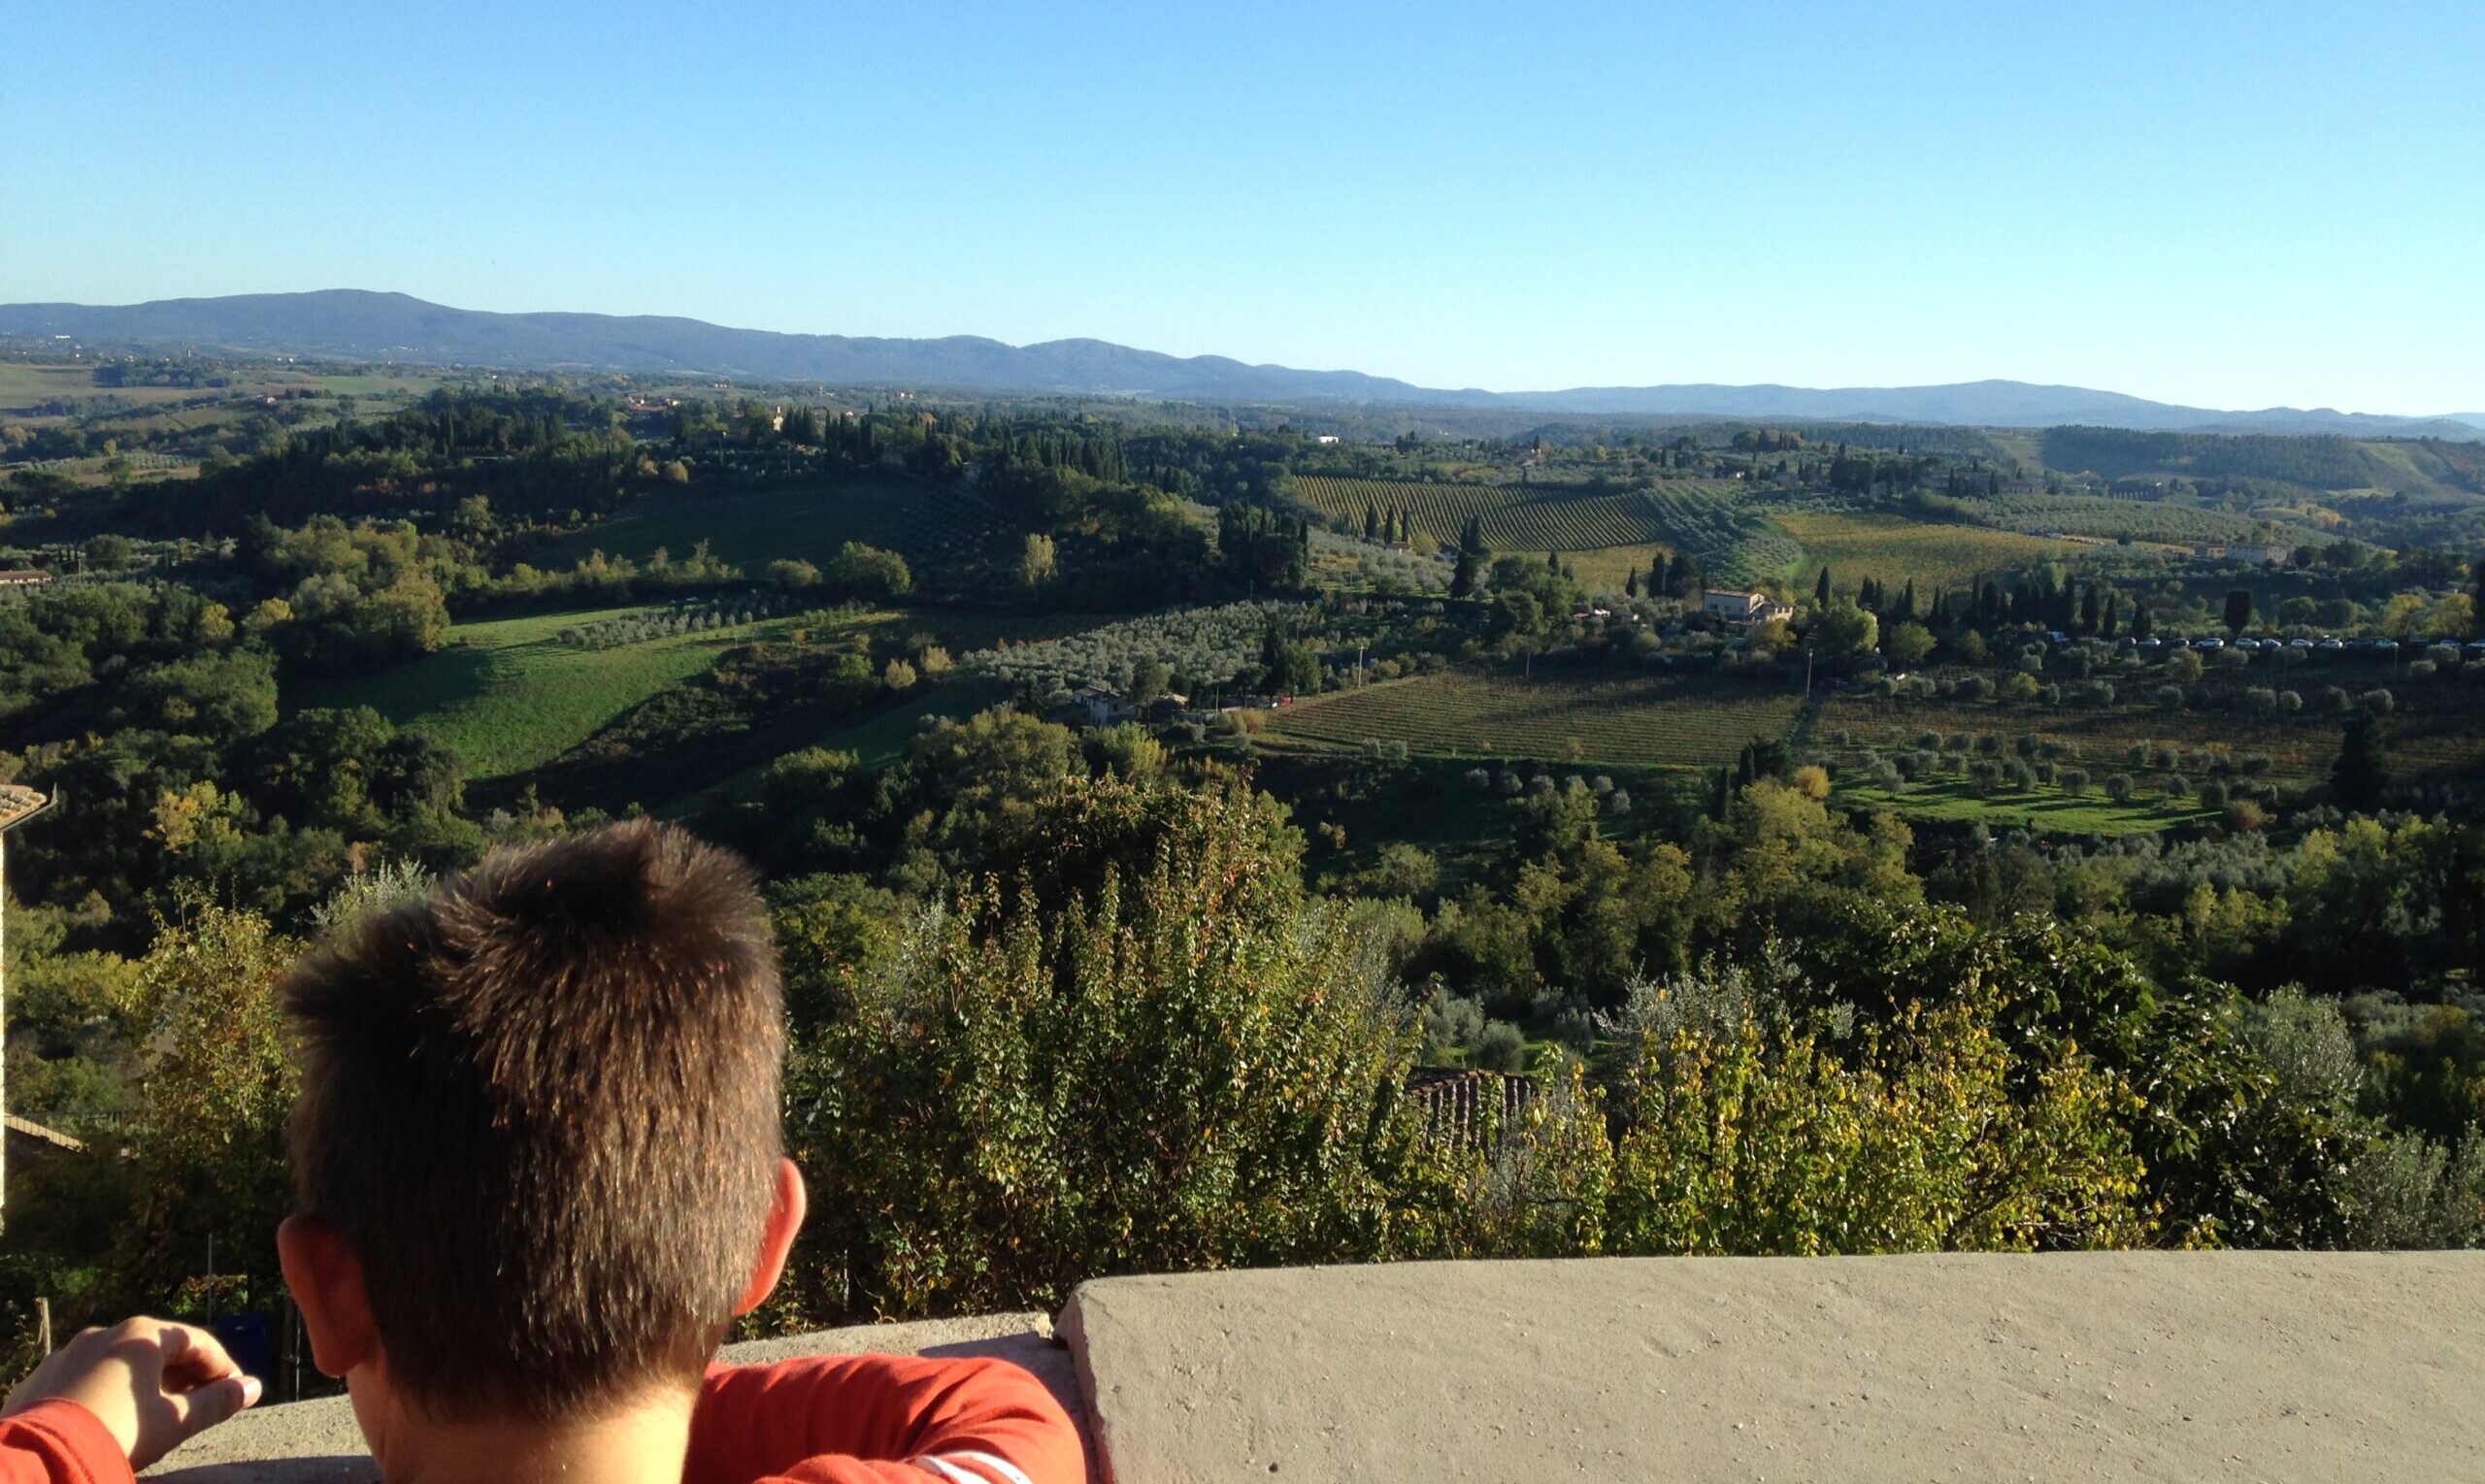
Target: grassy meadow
[[509, 696]]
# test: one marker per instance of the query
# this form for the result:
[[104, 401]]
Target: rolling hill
[[393, 327]]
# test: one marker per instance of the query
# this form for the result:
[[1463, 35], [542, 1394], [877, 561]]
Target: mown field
[[1659, 721], [509, 696], [1693, 516], [1856, 544], [807, 522]]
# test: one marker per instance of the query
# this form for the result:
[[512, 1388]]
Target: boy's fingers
[[204, 1406], [194, 1354]]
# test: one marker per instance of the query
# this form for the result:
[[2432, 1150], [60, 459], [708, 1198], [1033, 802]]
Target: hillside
[[398, 327]]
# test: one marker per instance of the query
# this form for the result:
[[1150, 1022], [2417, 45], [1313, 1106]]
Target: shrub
[[2072, 781], [1502, 1048], [1006, 1024], [2120, 788], [1759, 1139]]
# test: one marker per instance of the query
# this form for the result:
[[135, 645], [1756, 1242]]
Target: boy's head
[[540, 1111]]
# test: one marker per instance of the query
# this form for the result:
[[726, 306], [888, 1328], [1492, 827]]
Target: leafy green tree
[[206, 1147], [1844, 631], [868, 573], [1908, 645], [1037, 563], [792, 576]]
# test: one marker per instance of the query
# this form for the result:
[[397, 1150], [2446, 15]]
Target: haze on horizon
[[2184, 202]]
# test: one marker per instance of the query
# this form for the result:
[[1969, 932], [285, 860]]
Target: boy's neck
[[644, 1444]]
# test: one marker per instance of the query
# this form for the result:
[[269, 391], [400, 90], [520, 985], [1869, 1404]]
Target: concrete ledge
[[2143, 1366], [2159, 1366], [316, 1442]]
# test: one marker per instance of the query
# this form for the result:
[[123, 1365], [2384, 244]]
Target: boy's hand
[[154, 1384]]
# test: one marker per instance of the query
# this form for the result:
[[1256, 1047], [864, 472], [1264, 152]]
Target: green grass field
[[1604, 534], [883, 738], [508, 695], [2040, 808], [1855, 545], [808, 522], [1638, 720]]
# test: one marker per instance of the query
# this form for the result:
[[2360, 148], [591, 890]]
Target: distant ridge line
[[361, 324]]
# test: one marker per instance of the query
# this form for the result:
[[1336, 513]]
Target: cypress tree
[[2362, 772]]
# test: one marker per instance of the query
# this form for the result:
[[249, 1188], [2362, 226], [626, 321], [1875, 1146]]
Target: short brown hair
[[541, 1105]]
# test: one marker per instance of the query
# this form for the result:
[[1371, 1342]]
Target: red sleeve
[[60, 1443], [880, 1419]]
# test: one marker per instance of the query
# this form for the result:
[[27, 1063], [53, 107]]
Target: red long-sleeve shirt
[[829, 1419]]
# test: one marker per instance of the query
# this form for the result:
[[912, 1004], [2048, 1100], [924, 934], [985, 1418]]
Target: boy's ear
[[326, 1280], [785, 1211]]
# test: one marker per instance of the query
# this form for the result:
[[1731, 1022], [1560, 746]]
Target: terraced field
[[1661, 721], [1893, 548]]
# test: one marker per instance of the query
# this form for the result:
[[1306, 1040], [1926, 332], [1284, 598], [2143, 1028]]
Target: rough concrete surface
[[2124, 1367], [316, 1442]]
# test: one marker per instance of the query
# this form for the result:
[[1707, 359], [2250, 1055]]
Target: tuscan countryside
[[793, 743]]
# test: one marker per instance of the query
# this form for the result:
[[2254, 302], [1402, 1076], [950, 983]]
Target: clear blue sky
[[2232, 204]]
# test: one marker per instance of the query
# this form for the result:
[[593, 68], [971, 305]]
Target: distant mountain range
[[361, 325]]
